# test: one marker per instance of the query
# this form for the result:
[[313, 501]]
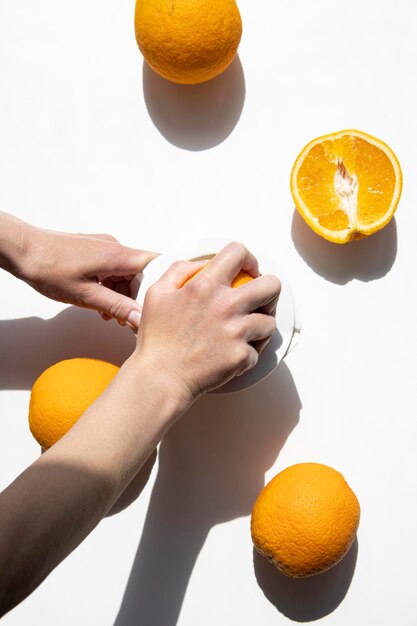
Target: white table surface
[[92, 141]]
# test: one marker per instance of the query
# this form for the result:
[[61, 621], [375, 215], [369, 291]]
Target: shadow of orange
[[195, 117], [365, 259], [306, 599]]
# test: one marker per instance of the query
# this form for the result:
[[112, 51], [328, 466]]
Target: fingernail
[[134, 318]]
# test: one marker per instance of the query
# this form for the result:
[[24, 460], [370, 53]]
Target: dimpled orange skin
[[305, 519], [62, 393], [188, 41]]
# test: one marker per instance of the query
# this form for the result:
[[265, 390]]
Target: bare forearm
[[13, 242], [58, 500]]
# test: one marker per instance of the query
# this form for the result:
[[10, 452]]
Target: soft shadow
[[53, 496], [135, 487], [306, 599], [212, 466], [268, 361], [195, 117], [365, 259], [29, 345]]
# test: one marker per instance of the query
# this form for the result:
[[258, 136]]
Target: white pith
[[346, 186]]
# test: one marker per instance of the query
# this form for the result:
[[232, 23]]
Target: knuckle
[[236, 330], [225, 308], [179, 265], [198, 284], [152, 292], [263, 345], [108, 250], [237, 247], [274, 283], [271, 324], [116, 308], [243, 354], [239, 329], [251, 358]]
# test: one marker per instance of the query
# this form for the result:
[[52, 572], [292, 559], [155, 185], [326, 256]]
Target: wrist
[[14, 244], [164, 379]]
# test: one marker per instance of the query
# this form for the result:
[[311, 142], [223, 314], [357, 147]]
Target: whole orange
[[305, 519], [188, 41], [62, 393]]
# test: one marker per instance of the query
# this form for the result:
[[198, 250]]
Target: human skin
[[93, 271], [190, 340]]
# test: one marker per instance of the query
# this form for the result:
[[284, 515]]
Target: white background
[[91, 141]]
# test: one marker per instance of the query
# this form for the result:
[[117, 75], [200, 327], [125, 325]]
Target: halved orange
[[346, 185]]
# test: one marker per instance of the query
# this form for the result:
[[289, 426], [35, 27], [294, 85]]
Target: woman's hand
[[93, 271], [205, 333]]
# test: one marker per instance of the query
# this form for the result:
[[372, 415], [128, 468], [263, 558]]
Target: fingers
[[112, 304], [258, 326], [252, 357], [179, 273], [230, 261], [258, 330], [260, 294], [119, 284]]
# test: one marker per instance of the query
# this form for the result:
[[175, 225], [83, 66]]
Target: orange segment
[[346, 185]]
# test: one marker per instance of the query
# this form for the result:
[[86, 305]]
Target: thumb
[[131, 261], [115, 305]]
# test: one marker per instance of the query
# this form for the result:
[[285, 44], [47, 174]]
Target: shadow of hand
[[211, 468], [30, 345], [195, 117]]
